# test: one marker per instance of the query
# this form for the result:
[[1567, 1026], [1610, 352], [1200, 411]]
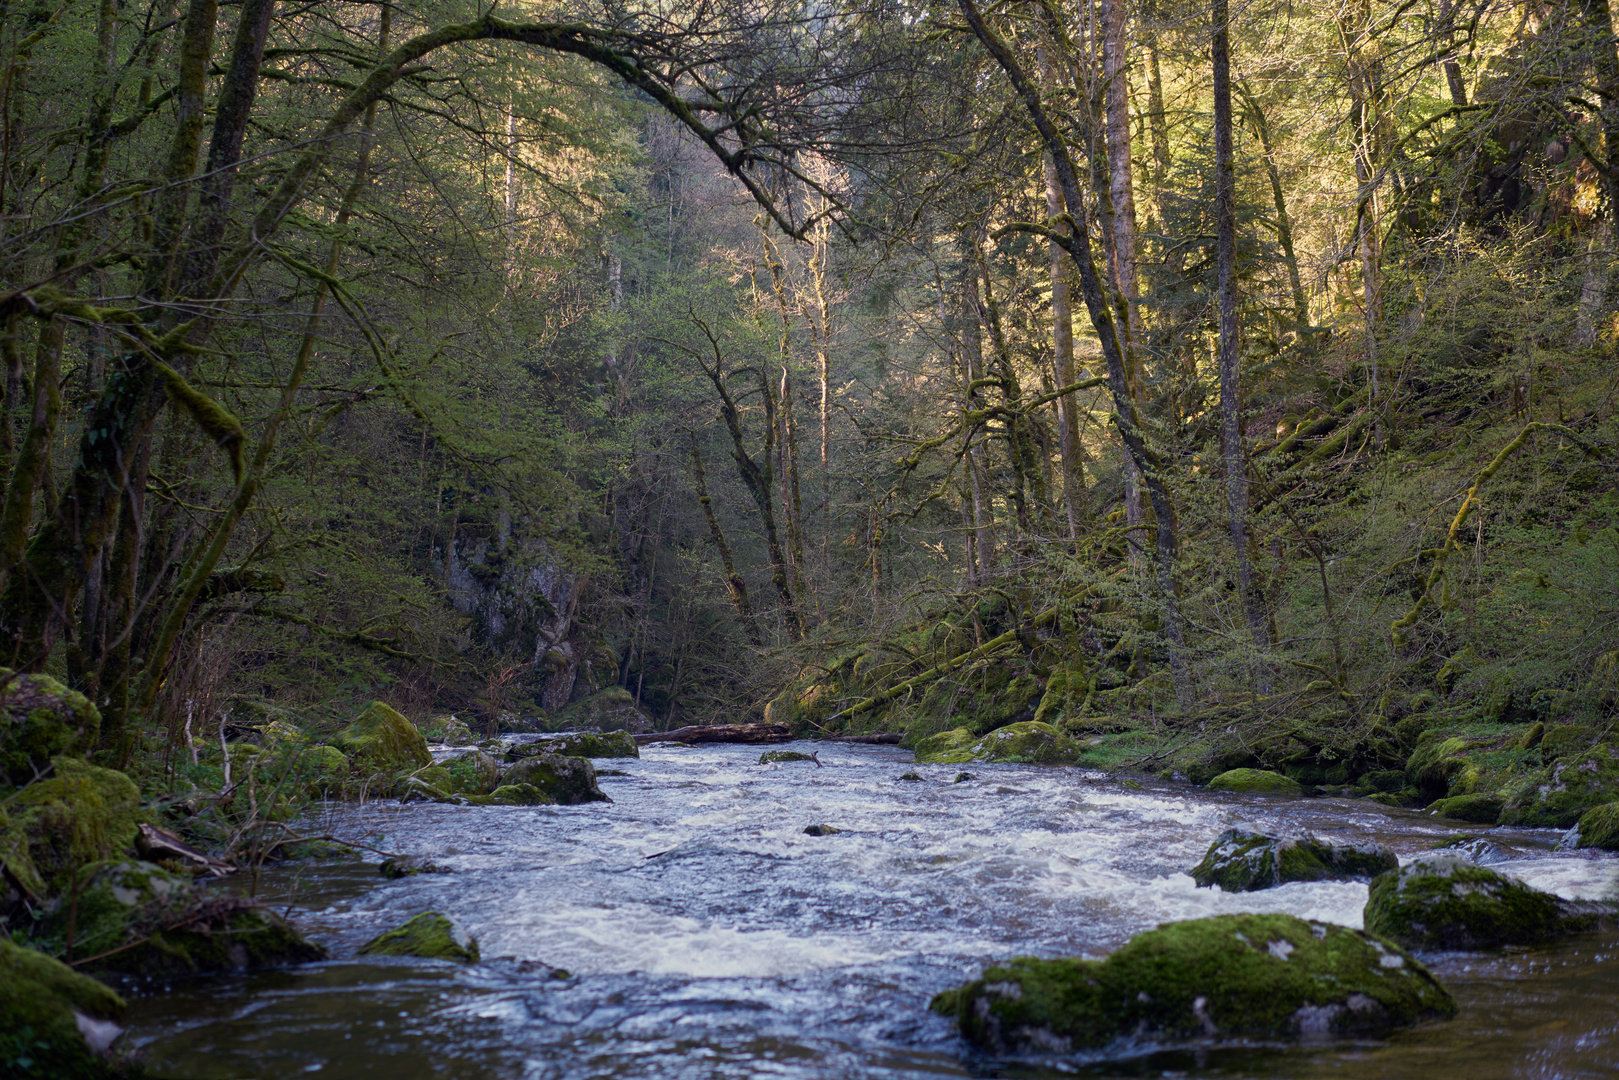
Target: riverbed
[[691, 929]]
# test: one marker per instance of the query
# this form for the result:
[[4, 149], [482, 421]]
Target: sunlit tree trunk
[[1062, 337]]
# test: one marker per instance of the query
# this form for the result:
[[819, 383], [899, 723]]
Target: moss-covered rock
[[1446, 902], [1029, 742], [78, 815], [1559, 740], [380, 740], [566, 781], [54, 1021], [1478, 809], [430, 935], [421, 788], [586, 744], [41, 719], [799, 706], [468, 772], [511, 795], [612, 709], [1240, 860], [773, 757], [1598, 828], [449, 730], [1557, 795], [141, 919], [1232, 976], [1255, 782]]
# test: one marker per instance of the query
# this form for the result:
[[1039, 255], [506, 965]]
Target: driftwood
[[155, 843], [721, 733]]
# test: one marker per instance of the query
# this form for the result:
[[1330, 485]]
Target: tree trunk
[[734, 584], [1225, 216], [1284, 224], [1062, 336]]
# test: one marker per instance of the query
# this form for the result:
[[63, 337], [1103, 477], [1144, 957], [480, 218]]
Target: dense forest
[[1144, 369]]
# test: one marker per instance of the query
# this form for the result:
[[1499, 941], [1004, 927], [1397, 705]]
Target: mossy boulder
[[54, 1021], [450, 730], [512, 795], [430, 935], [612, 709], [141, 919], [775, 757], [1557, 795], [41, 719], [1477, 809], [1227, 977], [78, 815], [1562, 739], [467, 772], [586, 744], [1597, 828], [1255, 782], [1240, 860], [381, 740], [1446, 902], [566, 781], [1030, 742], [1067, 691]]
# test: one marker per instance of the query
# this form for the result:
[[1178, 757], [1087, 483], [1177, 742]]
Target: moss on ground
[[41, 1000]]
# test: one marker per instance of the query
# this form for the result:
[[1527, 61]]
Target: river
[[705, 935]]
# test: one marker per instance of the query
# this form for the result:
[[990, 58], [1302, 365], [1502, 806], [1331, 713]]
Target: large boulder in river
[[1446, 902], [1556, 796], [78, 815], [380, 740], [1030, 742], [587, 744], [59, 1019], [1227, 977], [1598, 828], [1240, 860], [1255, 782], [566, 781], [141, 919], [39, 720], [430, 935]]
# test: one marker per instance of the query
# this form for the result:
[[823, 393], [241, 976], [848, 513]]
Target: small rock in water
[[1240, 860], [820, 830], [771, 757], [1256, 782], [1446, 902], [431, 935], [910, 776], [1476, 849], [409, 866], [1231, 976], [963, 777]]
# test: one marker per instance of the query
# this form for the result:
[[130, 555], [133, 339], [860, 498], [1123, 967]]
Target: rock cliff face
[[522, 598]]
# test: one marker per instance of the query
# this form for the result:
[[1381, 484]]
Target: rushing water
[[705, 935]]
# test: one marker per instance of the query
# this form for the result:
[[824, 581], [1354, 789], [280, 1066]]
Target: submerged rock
[[69, 1019], [1446, 902], [41, 719], [1231, 976], [566, 781], [382, 740], [1255, 782], [138, 918], [586, 744], [1476, 849], [1030, 742], [431, 935], [403, 866], [1240, 860]]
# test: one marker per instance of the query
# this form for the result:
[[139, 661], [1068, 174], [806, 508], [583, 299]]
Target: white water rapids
[[708, 936]]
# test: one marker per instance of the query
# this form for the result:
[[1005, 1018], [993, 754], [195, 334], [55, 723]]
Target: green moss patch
[[1255, 782], [41, 719], [79, 815], [42, 1001], [430, 935], [1030, 742], [1599, 828], [1232, 976]]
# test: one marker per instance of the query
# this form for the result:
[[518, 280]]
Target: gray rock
[[1241, 860]]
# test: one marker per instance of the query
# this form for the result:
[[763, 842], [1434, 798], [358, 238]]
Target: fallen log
[[721, 733], [155, 843]]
